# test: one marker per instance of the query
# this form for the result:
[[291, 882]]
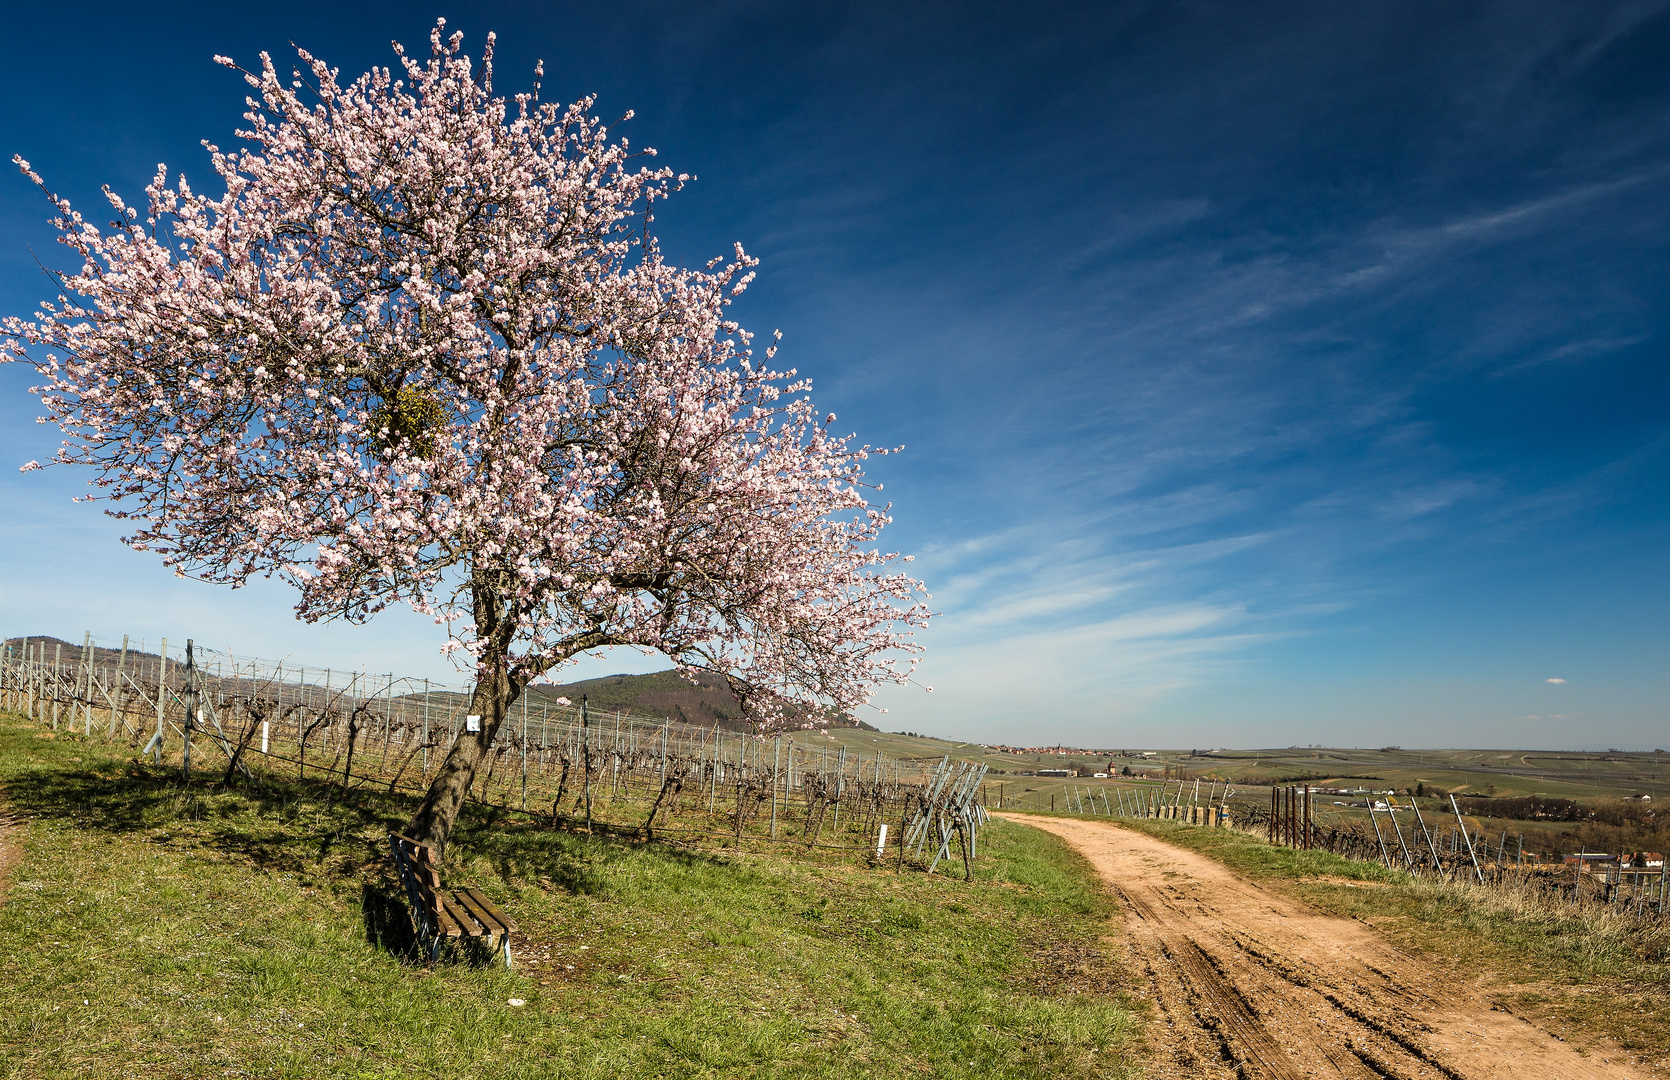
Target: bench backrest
[[418, 874]]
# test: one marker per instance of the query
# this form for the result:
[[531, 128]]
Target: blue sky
[[1269, 374]]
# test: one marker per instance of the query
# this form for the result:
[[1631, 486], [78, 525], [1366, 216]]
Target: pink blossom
[[423, 349]]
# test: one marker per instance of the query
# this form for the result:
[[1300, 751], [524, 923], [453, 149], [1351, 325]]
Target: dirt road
[[1248, 983]]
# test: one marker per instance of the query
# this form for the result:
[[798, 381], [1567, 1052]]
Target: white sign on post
[[472, 723]]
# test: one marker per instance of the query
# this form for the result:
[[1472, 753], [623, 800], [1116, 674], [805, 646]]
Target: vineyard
[[214, 714]]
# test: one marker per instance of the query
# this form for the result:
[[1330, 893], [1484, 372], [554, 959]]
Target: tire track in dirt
[[1250, 984]]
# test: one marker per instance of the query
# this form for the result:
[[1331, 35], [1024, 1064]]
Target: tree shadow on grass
[[312, 827]]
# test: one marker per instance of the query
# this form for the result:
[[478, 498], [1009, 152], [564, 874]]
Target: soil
[[1247, 982]]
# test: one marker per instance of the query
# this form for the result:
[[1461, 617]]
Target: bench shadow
[[388, 923]]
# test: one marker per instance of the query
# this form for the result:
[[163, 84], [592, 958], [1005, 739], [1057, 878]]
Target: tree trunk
[[494, 693]]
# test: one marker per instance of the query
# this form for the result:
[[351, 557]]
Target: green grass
[[1578, 971], [153, 930]]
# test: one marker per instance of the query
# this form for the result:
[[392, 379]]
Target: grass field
[[154, 930]]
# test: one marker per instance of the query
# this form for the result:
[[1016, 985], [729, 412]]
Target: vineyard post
[[1468, 837], [776, 763], [1384, 858], [585, 754], [57, 681], [84, 686], [840, 784], [1437, 864], [425, 750], [524, 752], [190, 703], [162, 690], [544, 737], [1408, 859], [711, 767], [327, 707], [121, 690], [40, 680]]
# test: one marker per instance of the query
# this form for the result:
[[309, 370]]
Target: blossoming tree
[[423, 349]]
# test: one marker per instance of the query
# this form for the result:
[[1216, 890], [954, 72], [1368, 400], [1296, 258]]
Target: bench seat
[[439, 916]]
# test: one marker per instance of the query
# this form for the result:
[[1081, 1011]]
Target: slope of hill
[[706, 702]]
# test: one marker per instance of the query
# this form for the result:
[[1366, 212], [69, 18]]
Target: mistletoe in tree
[[424, 349]]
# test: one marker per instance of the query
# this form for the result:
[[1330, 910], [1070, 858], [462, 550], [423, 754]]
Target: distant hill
[[660, 694], [663, 693], [70, 651]]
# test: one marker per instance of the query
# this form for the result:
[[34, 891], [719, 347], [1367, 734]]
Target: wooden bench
[[464, 914]]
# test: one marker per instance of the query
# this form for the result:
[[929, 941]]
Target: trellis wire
[[625, 771]]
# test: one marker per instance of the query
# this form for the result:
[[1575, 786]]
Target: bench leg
[[507, 964]]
